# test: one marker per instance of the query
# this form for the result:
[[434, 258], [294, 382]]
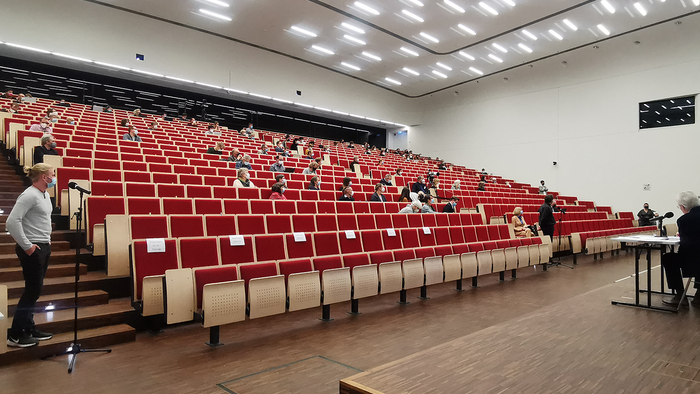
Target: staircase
[[105, 314]]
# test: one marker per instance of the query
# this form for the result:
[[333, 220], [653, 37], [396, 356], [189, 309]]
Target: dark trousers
[[548, 230], [34, 270], [677, 267]]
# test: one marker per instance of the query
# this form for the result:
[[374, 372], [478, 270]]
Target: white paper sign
[[349, 234], [155, 245], [299, 237], [391, 232], [236, 240], [426, 230]]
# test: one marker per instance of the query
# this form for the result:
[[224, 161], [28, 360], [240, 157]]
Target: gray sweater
[[30, 220]]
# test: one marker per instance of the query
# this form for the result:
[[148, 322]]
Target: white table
[[648, 243]]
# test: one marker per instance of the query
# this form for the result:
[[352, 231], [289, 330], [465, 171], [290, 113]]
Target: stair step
[[91, 339], [56, 235], [117, 311], [55, 270], [63, 300], [66, 284], [56, 246], [10, 260]]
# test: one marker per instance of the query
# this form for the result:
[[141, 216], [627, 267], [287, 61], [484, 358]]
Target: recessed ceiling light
[[476, 71], [408, 70], [454, 6], [27, 48], [604, 30], [215, 15], [366, 8], [395, 82], [530, 35], [446, 67], [416, 2], [525, 47], [353, 28], [439, 74], [640, 9], [304, 31], [608, 6], [217, 2], [468, 56], [179, 79], [555, 34], [147, 73], [348, 65], [571, 25], [355, 40], [488, 8], [373, 57], [468, 30], [496, 58], [322, 49], [112, 65], [509, 2], [412, 15], [72, 57], [429, 37], [410, 52], [500, 48]]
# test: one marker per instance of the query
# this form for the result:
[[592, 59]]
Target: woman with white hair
[[519, 226], [687, 261], [455, 185], [414, 207]]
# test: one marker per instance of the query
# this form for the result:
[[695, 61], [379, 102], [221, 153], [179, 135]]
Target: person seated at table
[[47, 147], [413, 207], [456, 185], [132, 135], [243, 179], [43, 126], [315, 184], [686, 261], [645, 215], [278, 191], [311, 169], [419, 185], [378, 195], [386, 180], [347, 194], [244, 163], [451, 206], [216, 150], [519, 226], [405, 195]]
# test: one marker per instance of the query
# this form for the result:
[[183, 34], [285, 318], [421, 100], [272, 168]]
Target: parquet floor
[[546, 332]]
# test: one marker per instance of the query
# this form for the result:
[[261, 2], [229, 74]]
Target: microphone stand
[[558, 263], [76, 348]]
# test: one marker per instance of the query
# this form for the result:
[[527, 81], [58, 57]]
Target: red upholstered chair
[[328, 262], [148, 226], [186, 226], [197, 191], [366, 222], [288, 267], [410, 238], [466, 219], [346, 222], [205, 276], [143, 206], [137, 176], [381, 257], [404, 254], [361, 207], [236, 207], [140, 189], [355, 260], [383, 220], [444, 250], [251, 224], [177, 206], [285, 207], [326, 222], [326, 243], [298, 248], [429, 220], [371, 240], [257, 270], [442, 235], [414, 220], [482, 233], [494, 235], [217, 225], [207, 206], [307, 207], [261, 207], [476, 247], [225, 192], [236, 254], [503, 231], [344, 207], [456, 235], [349, 244], [469, 234], [165, 190], [111, 189], [377, 207], [422, 253], [269, 247], [198, 252], [441, 220], [304, 223], [391, 242], [186, 179], [399, 220], [145, 264], [249, 193], [454, 219], [426, 239], [326, 206], [107, 175], [278, 224], [460, 248]]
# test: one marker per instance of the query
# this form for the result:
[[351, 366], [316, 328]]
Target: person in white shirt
[[543, 188], [43, 126], [243, 179]]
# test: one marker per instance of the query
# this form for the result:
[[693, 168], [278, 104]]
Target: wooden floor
[[546, 332]]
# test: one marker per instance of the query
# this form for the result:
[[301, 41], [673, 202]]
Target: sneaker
[[23, 341], [675, 300], [39, 335]]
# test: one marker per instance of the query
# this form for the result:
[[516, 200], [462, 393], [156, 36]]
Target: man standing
[[547, 221], [686, 260], [543, 189], [29, 224], [47, 147]]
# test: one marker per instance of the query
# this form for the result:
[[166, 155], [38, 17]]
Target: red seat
[[425, 239], [248, 193], [355, 260], [400, 220], [460, 248], [278, 224], [236, 254], [326, 223], [258, 270], [261, 207], [404, 254], [307, 207], [143, 206], [381, 257], [493, 232], [207, 206], [469, 234], [206, 276], [391, 242], [415, 221], [269, 247], [137, 176], [361, 207], [236, 207], [454, 220], [325, 206], [324, 263], [107, 175], [376, 207], [383, 220], [196, 191], [466, 219], [198, 252], [346, 222], [456, 235], [151, 264], [297, 266], [371, 240], [348, 244], [140, 189], [187, 226], [444, 250], [409, 237], [185, 179], [429, 220], [343, 207], [181, 206], [442, 220], [326, 243], [112, 189], [251, 224], [304, 223], [481, 233], [224, 192], [476, 246], [299, 249], [220, 225], [366, 222], [422, 253], [143, 227], [161, 177], [285, 207], [442, 235]]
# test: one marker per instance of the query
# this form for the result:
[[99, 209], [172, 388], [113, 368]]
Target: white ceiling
[[268, 25]]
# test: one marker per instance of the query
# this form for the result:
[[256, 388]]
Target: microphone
[[667, 215], [75, 186]]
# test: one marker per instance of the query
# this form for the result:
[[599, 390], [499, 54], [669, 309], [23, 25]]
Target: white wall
[[397, 138]]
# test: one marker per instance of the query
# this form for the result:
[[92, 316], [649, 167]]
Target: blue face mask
[[283, 189], [52, 184], [54, 120]]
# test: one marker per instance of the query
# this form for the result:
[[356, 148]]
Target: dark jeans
[[677, 267], [34, 270], [548, 230]]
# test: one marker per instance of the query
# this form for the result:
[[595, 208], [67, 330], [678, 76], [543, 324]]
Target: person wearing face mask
[[315, 184], [47, 147], [413, 207], [244, 163], [451, 207], [399, 171], [520, 228], [132, 135], [263, 149], [346, 182], [243, 179], [645, 215], [311, 170], [71, 121], [427, 201], [347, 194], [29, 224], [386, 180], [419, 186], [279, 148], [63, 103], [278, 165], [278, 191], [43, 126], [378, 195]]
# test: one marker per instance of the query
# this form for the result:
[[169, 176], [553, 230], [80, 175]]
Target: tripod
[[76, 348], [558, 263]]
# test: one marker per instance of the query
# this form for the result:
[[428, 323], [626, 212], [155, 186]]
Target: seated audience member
[[183, 116], [217, 127], [263, 149], [107, 109], [325, 149], [456, 185], [347, 194], [483, 174], [192, 122], [351, 145], [250, 131], [399, 171], [645, 215], [405, 195], [519, 226], [9, 94], [427, 201], [442, 165], [508, 184], [378, 195], [51, 112], [685, 262], [346, 182], [165, 117], [355, 160], [124, 122], [309, 154], [543, 189], [278, 165], [216, 150], [243, 179], [279, 148], [318, 161], [71, 121], [279, 178], [435, 184], [244, 163], [47, 147], [482, 186], [278, 192], [368, 151], [419, 185], [493, 179], [153, 126], [413, 207], [53, 119], [137, 112], [63, 103], [43, 126], [311, 169], [451, 206], [382, 152], [132, 135], [386, 180], [14, 108], [315, 184], [211, 130], [295, 145]]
